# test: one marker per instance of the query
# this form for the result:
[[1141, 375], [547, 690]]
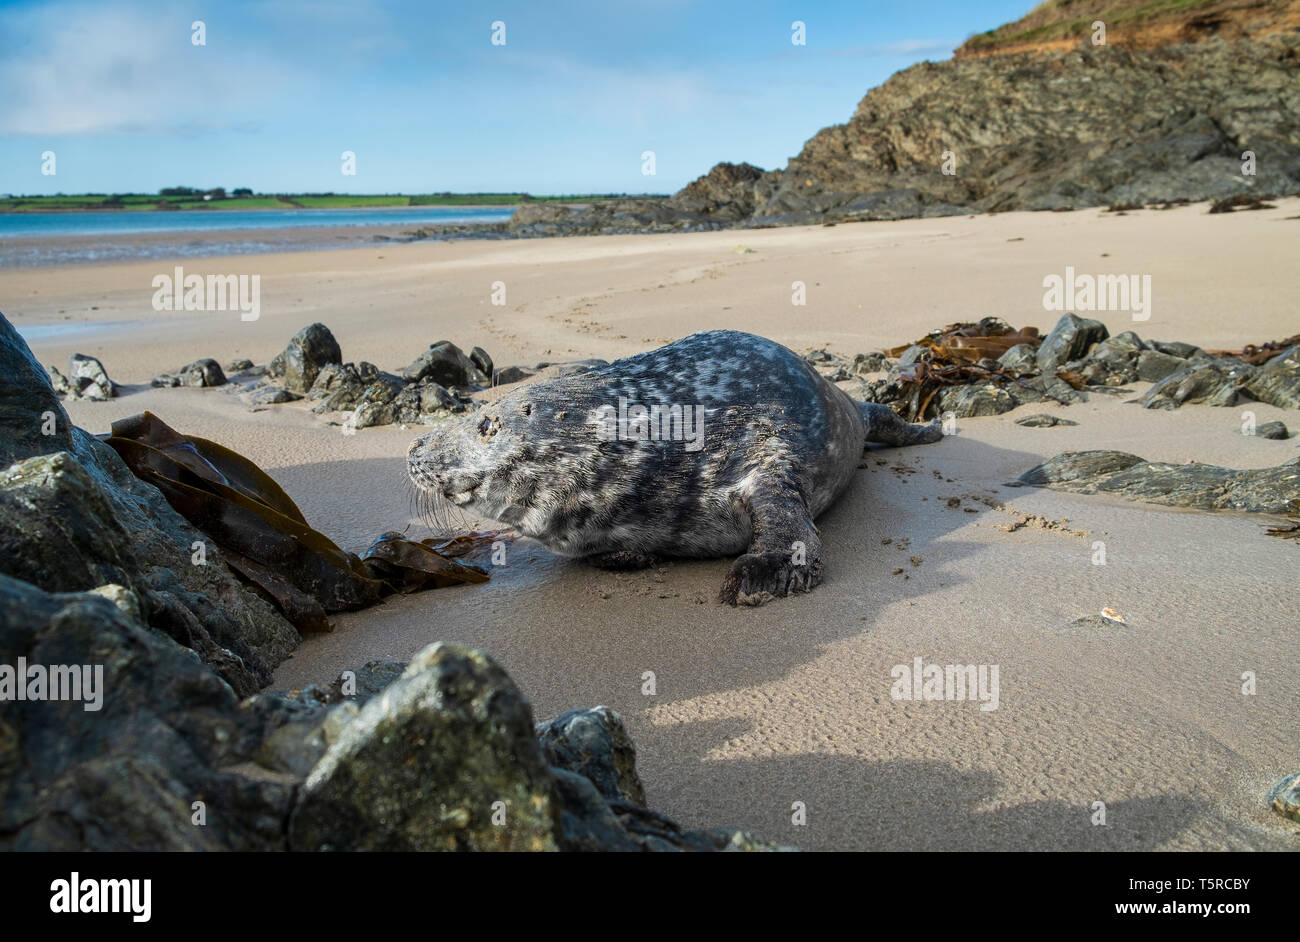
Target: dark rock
[[1183, 351], [1276, 431], [1022, 358], [239, 366], [1213, 382], [73, 517], [309, 349], [976, 400], [124, 777], [445, 364], [424, 766], [482, 362], [1153, 366], [1070, 339], [268, 396], [1199, 486], [343, 387], [378, 403], [206, 372], [1042, 420], [1277, 382], [870, 363], [86, 379], [587, 823], [511, 374], [275, 369], [595, 744]]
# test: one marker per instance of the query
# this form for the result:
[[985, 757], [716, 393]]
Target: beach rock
[[1277, 382], [239, 366], [1042, 420], [378, 403], [587, 823], [1070, 339], [511, 374], [595, 744], [1198, 486], [482, 362], [865, 363], [1113, 361], [1175, 348], [1022, 358], [976, 400], [269, 396], [308, 351], [206, 372], [73, 518], [1213, 382], [125, 776], [1284, 797], [1275, 431], [1153, 366], [1053, 387], [343, 387], [429, 763], [86, 379], [445, 364]]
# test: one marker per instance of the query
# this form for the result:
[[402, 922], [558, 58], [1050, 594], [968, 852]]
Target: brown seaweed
[[267, 540], [1256, 354], [954, 357]]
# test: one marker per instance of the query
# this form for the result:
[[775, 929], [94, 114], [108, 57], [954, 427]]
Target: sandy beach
[[756, 710]]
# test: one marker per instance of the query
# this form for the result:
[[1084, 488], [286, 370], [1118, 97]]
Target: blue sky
[[125, 100]]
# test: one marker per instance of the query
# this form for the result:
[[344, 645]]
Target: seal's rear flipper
[[886, 427], [785, 556]]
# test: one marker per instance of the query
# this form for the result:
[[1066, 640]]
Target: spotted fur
[[780, 444]]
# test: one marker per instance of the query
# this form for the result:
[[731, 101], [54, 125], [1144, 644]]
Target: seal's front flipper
[[785, 556], [621, 561], [887, 427]]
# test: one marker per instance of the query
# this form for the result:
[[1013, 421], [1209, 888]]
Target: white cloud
[[77, 68]]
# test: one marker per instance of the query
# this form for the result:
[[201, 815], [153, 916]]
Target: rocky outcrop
[[123, 741], [309, 350], [1054, 126], [1193, 485], [73, 517]]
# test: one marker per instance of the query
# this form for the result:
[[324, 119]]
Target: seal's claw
[[756, 578]]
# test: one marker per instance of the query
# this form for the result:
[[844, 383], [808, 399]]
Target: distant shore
[[144, 202]]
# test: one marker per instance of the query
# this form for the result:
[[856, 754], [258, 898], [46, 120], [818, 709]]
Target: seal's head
[[473, 462]]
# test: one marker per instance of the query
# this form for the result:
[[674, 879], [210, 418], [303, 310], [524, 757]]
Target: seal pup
[[721, 443]]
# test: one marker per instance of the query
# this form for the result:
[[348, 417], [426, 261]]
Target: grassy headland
[[189, 198]]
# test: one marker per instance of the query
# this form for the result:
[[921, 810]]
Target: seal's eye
[[527, 408], [485, 427]]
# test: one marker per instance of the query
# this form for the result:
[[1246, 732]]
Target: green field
[[140, 202]]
